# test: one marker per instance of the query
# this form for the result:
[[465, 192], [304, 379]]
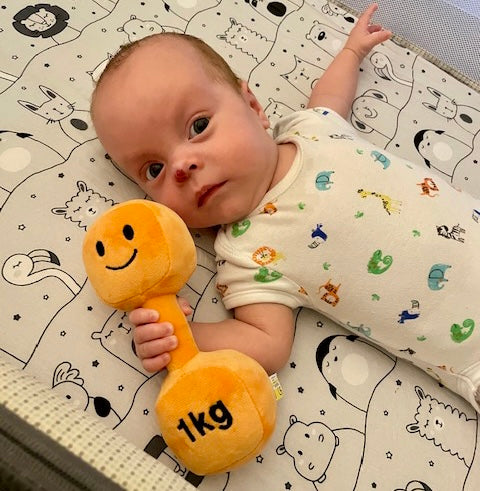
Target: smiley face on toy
[[131, 254]]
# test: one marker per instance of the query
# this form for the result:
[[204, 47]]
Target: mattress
[[55, 178]]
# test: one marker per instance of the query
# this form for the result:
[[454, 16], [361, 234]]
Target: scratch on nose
[[180, 175]]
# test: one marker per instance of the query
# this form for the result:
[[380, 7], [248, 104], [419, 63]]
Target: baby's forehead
[[144, 59], [163, 49], [155, 65]]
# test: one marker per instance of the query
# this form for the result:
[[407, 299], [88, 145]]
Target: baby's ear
[[252, 101]]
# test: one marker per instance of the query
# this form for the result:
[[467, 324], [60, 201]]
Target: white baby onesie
[[372, 241]]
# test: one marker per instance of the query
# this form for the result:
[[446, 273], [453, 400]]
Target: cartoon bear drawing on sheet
[[319, 452]]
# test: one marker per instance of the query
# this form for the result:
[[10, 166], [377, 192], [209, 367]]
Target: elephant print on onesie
[[323, 180], [436, 276]]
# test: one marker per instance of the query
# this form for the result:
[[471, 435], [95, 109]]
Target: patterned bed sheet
[[375, 421]]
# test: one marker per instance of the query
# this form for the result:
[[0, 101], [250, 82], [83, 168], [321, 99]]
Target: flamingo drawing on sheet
[[26, 269]]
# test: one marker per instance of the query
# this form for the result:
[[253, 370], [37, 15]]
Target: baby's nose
[[183, 173]]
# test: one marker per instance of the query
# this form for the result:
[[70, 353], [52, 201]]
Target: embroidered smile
[[133, 256]]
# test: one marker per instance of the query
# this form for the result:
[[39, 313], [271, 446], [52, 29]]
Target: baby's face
[[194, 144]]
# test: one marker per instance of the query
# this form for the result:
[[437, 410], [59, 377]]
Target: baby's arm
[[337, 87], [262, 331]]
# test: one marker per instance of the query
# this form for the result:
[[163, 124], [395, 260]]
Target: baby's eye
[[198, 126], [153, 170]]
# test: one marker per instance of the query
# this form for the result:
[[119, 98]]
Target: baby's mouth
[[206, 192]]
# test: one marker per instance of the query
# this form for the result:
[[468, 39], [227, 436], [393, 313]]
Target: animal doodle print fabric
[[55, 179], [370, 240]]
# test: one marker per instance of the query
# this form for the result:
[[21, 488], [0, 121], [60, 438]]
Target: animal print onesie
[[374, 242]]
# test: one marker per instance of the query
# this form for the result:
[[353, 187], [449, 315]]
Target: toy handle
[[169, 311]]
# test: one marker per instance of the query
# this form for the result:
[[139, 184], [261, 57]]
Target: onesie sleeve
[[318, 120], [242, 281]]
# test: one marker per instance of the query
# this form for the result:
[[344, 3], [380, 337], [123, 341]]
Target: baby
[[314, 216]]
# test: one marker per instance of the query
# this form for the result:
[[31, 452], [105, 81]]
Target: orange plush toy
[[215, 409]]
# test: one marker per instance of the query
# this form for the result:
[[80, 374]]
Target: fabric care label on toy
[[276, 386]]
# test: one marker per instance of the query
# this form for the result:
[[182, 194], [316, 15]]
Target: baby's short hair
[[215, 65]]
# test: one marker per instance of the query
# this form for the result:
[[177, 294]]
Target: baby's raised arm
[[337, 86]]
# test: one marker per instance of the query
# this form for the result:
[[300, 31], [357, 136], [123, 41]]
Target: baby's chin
[[215, 222], [199, 224]]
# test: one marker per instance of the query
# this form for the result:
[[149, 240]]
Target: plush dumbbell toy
[[215, 409]]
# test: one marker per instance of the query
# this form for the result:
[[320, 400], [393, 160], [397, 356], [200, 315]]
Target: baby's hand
[[364, 36], [153, 340]]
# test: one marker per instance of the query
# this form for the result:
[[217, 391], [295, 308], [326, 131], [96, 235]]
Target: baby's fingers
[[380, 36], [184, 305], [156, 347], [143, 316], [367, 15], [153, 342], [374, 28], [149, 332], [156, 363], [147, 316]]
